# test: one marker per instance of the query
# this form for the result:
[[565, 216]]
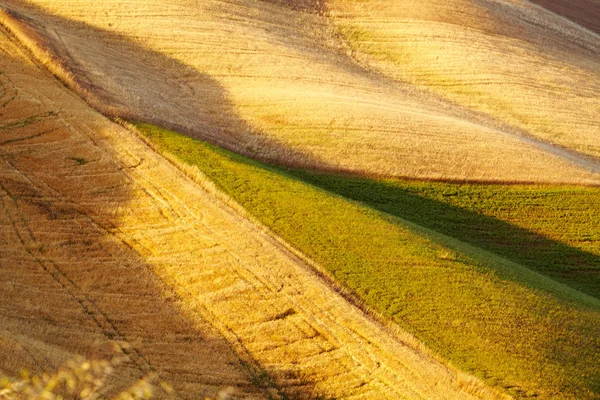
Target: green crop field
[[465, 268]]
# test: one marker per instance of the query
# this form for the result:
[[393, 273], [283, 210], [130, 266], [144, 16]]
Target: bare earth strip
[[584, 12], [82, 199], [273, 83]]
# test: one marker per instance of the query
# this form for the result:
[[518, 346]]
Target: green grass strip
[[487, 314], [552, 230]]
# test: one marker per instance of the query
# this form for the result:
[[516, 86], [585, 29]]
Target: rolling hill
[[342, 199], [236, 74], [106, 243], [511, 60]]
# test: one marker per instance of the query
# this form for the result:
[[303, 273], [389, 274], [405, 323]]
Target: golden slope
[[271, 82], [70, 286], [104, 241], [509, 59]]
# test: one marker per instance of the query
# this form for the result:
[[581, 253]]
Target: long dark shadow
[[416, 203], [122, 78], [69, 286]]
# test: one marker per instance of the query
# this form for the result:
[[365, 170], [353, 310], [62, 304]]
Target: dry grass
[[80, 379], [69, 285], [508, 59], [273, 83], [107, 242]]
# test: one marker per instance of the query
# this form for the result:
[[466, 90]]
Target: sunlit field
[[422, 255], [284, 86], [300, 199]]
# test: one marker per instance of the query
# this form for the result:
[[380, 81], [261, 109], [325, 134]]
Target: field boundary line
[[229, 205]]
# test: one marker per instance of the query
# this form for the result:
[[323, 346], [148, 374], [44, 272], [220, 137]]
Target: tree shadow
[[71, 284], [405, 199], [121, 78]]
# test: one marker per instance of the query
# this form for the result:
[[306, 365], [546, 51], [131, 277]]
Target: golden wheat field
[[266, 80], [71, 284], [516, 62], [110, 244], [105, 242]]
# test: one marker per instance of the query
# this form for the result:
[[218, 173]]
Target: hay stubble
[[275, 84], [106, 241]]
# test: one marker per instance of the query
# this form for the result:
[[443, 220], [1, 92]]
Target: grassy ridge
[[465, 304]]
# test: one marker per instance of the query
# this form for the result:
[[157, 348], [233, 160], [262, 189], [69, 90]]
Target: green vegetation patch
[[552, 230], [79, 160], [475, 304]]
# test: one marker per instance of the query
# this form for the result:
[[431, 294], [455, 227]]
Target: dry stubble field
[[516, 62], [277, 84], [143, 256], [105, 241]]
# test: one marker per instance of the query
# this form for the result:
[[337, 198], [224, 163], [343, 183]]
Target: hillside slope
[[108, 242], [509, 59], [71, 284], [463, 281], [583, 12], [271, 82]]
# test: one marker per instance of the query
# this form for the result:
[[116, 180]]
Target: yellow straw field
[[105, 242], [511, 60], [284, 85]]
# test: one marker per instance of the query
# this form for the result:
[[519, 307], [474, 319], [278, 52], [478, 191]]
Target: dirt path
[[123, 247]]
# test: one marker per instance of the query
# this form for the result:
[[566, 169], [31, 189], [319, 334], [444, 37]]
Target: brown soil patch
[[584, 12]]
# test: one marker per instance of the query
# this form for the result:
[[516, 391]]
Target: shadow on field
[[574, 267], [69, 285], [120, 77], [430, 294]]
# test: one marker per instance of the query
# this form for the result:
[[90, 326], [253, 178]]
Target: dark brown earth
[[584, 12]]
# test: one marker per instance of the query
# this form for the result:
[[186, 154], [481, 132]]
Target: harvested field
[[426, 257], [276, 84], [104, 241], [70, 285], [508, 59]]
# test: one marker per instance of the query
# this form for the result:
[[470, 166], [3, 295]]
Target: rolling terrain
[[235, 74], [304, 199], [455, 264], [511, 60], [71, 285], [107, 242]]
